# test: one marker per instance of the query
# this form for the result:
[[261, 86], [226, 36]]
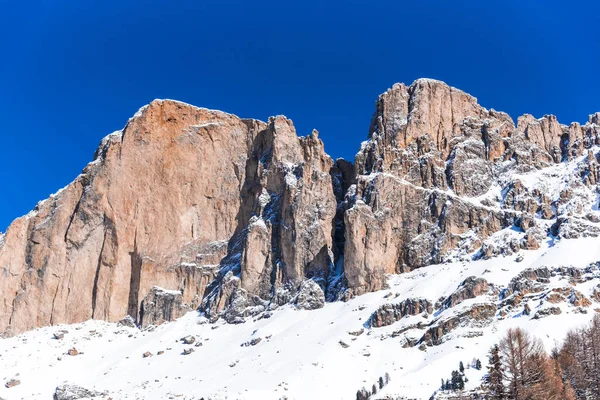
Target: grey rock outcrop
[[74, 392], [469, 289], [310, 296], [479, 314], [161, 305], [127, 321], [387, 314]]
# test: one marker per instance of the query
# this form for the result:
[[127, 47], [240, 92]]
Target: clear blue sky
[[73, 71]]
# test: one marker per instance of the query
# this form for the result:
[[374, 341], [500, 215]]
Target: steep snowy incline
[[307, 354]]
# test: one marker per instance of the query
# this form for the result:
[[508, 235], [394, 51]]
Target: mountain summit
[[187, 208]]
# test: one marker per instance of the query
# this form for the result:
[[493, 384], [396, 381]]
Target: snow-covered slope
[[302, 354]]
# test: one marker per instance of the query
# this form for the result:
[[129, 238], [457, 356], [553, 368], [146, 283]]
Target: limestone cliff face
[[159, 206], [188, 207], [155, 207]]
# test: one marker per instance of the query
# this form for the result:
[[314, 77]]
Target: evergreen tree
[[461, 368], [494, 380], [387, 378], [443, 387], [478, 364], [381, 384], [363, 394], [457, 381]]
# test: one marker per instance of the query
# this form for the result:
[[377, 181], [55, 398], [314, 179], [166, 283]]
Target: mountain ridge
[[247, 235]]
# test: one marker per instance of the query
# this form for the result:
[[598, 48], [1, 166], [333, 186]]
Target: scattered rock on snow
[[188, 351], [188, 339], [252, 342], [74, 392], [127, 321], [546, 312], [147, 354], [12, 383], [357, 332], [72, 352]]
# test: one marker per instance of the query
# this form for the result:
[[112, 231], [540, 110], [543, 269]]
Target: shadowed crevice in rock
[[106, 259], [96, 276], [75, 212], [134, 283]]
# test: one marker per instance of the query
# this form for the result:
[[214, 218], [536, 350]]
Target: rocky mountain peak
[[189, 208]]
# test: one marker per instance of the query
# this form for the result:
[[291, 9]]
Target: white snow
[[206, 125], [299, 356], [257, 221], [163, 292], [291, 179], [264, 198]]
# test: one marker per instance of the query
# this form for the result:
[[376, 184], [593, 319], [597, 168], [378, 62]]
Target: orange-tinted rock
[[161, 205]]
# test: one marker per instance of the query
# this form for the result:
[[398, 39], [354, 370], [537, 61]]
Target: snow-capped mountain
[[291, 275]]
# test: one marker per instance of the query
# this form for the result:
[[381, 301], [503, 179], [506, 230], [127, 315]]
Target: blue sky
[[73, 71]]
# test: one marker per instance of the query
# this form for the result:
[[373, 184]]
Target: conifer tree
[[494, 380], [457, 381]]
